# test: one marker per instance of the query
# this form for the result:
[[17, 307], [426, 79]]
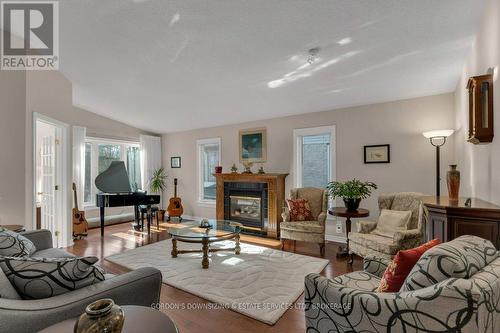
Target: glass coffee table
[[191, 232]]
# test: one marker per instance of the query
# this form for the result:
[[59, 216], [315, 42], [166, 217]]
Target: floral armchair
[[454, 287], [365, 243], [307, 231]]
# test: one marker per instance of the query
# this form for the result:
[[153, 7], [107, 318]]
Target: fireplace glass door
[[246, 208]]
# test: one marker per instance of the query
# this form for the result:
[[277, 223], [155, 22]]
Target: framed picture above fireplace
[[253, 145]]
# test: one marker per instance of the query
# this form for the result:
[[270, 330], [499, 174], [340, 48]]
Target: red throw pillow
[[299, 210], [401, 265]]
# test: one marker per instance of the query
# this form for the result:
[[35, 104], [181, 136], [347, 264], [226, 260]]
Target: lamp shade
[[438, 133]]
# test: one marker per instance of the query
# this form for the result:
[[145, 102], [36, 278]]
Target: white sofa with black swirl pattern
[[454, 287]]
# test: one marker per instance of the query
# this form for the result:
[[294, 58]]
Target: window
[[314, 156], [107, 154], [134, 167], [88, 172], [99, 153], [208, 159]]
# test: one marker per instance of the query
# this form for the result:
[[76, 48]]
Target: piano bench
[[154, 212]]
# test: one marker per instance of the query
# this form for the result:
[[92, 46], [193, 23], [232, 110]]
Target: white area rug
[[261, 283]]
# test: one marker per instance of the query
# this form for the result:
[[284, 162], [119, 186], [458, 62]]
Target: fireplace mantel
[[275, 195]]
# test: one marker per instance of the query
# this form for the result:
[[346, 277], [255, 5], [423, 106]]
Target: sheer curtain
[[79, 134], [150, 158]]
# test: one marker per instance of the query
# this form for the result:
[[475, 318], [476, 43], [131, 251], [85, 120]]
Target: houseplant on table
[[157, 184], [351, 191]]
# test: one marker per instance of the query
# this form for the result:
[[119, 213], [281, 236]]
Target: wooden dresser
[[448, 220]]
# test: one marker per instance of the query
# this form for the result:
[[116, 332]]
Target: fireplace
[[266, 190], [245, 208], [246, 203]]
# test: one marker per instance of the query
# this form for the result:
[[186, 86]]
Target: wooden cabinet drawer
[[484, 229]]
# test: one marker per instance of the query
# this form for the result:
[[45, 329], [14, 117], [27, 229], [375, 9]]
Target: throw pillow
[[299, 210], [36, 278], [460, 258], [391, 221], [13, 244], [396, 272]]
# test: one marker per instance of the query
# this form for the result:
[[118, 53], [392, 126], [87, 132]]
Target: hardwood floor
[[121, 237]]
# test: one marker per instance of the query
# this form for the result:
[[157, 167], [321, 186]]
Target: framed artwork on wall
[[175, 162], [377, 154], [253, 145]]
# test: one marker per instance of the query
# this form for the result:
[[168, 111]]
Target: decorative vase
[[351, 204], [218, 169], [101, 316], [453, 180]]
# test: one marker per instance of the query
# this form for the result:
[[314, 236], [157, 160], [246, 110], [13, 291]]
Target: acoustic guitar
[[175, 208], [80, 225]]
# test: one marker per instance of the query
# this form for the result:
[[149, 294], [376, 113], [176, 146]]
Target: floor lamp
[[438, 139]]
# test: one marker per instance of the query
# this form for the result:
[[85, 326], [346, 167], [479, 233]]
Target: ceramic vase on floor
[[453, 180]]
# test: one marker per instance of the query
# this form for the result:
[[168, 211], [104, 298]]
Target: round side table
[[137, 319], [343, 212]]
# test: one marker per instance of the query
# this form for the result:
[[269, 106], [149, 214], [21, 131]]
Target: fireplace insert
[[246, 203]]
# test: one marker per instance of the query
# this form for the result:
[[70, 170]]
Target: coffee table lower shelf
[[205, 242]]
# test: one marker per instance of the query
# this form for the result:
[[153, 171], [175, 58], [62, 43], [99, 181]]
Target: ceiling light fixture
[[313, 55]]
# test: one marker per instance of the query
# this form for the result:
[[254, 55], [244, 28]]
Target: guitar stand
[[180, 218]]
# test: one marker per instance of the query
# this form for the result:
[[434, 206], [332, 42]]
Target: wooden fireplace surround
[[275, 195]]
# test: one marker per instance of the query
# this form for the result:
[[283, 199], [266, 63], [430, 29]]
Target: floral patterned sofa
[[454, 287]]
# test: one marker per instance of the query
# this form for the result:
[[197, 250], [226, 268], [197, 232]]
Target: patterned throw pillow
[[460, 258], [299, 210], [399, 268], [36, 278], [13, 244]]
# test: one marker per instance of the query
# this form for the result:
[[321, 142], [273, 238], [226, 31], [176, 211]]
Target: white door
[[48, 177]]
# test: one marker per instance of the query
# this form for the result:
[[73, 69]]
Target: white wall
[[480, 164], [50, 93], [12, 141], [399, 124]]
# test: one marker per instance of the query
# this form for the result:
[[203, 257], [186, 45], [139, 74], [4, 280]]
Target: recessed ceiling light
[[345, 41]]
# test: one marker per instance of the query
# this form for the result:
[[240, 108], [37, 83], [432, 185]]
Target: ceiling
[[167, 66]]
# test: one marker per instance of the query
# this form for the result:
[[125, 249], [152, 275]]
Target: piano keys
[[115, 185]]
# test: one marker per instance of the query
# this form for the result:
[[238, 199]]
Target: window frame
[[199, 144], [94, 160], [297, 150]]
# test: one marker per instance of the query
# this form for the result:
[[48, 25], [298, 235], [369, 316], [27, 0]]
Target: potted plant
[[157, 184], [351, 191]]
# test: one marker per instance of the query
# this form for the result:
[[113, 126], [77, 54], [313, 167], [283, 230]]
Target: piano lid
[[114, 179]]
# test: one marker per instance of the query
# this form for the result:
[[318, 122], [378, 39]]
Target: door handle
[[39, 193]]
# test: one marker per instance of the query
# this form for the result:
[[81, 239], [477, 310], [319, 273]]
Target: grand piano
[[116, 192]]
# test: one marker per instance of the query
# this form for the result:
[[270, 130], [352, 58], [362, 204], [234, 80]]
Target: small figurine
[[204, 223], [234, 169], [248, 166], [261, 170]]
